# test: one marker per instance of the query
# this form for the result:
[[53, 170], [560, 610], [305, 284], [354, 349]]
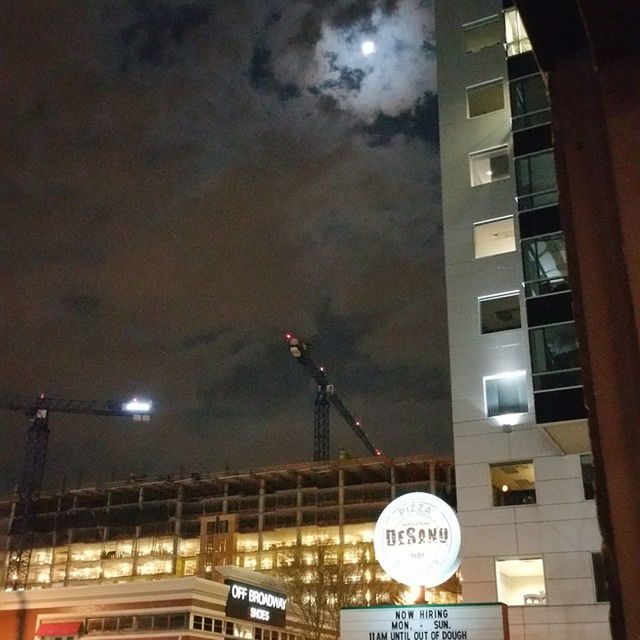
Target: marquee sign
[[417, 540], [426, 622], [248, 602]]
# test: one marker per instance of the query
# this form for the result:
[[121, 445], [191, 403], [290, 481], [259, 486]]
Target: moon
[[368, 47]]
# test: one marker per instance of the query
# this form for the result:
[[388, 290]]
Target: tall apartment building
[[523, 467]]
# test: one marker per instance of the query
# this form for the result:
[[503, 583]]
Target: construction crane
[[325, 394], [30, 485]]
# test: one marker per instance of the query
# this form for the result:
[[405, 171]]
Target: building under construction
[[264, 519]]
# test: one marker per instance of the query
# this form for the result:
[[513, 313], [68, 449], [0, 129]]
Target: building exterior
[[523, 466], [274, 520], [172, 609]]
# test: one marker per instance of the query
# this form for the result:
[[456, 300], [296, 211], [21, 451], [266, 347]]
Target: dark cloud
[[261, 76], [419, 122], [158, 31]]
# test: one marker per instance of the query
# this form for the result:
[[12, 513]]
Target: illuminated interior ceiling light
[[368, 47], [505, 488]]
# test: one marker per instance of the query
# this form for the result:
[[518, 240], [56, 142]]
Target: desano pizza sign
[[426, 622]]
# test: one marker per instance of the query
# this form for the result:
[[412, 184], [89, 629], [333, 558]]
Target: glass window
[[516, 38], [197, 622], [588, 478], [520, 581], [485, 98], [529, 102], [207, 625], [217, 626], [110, 624], [493, 237], [161, 622], [500, 312], [489, 166], [481, 34], [600, 577], [177, 621], [554, 347], [94, 625], [506, 394], [513, 483], [545, 265], [535, 173], [145, 623], [126, 623]]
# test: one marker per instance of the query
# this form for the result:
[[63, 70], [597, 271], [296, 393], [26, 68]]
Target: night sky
[[183, 183]]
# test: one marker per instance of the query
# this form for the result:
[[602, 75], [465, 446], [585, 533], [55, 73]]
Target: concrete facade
[[558, 525]]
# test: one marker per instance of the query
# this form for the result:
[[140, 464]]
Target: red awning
[[58, 629]]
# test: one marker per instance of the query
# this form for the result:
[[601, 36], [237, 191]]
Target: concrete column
[[392, 482], [432, 478], [299, 495]]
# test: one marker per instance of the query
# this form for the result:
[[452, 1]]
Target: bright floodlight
[[368, 47], [137, 406]]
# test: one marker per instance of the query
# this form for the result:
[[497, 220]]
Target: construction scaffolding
[[144, 528]]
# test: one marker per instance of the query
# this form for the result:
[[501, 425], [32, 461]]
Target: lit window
[[588, 479], [516, 38], [481, 34], [500, 312], [506, 394], [493, 237], [485, 98], [520, 581], [489, 166], [600, 577], [513, 483]]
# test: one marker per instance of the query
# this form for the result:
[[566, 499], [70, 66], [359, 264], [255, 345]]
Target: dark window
[[513, 483], [545, 265], [499, 313], [559, 405], [600, 577], [145, 623], [94, 625], [588, 479], [529, 102], [539, 222], [554, 349], [257, 633], [160, 622], [482, 34], [554, 309], [177, 621], [208, 625], [217, 626], [197, 622], [229, 629], [535, 173], [126, 623], [110, 624]]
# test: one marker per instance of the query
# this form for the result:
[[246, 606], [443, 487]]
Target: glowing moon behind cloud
[[368, 47]]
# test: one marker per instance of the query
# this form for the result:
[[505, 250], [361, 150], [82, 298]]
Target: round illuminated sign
[[417, 540]]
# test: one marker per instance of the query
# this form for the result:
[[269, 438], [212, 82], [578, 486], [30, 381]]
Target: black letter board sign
[[258, 605]]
